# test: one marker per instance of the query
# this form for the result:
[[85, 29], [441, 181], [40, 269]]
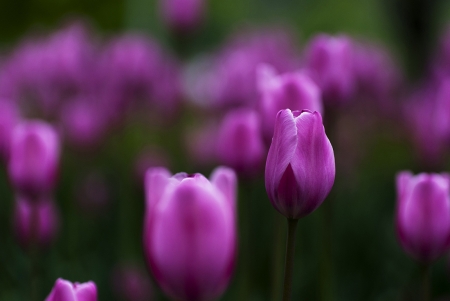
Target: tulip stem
[[426, 275], [289, 266]]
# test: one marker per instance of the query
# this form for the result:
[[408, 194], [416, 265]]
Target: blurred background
[[86, 67]]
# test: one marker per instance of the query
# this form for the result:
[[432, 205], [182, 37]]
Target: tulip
[[64, 290], [239, 141], [34, 158], [300, 165], [295, 90], [35, 223], [423, 214], [182, 15], [190, 232], [331, 63]]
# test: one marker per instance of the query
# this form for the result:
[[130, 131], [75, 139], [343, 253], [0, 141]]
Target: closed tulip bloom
[[300, 166], [330, 60], [35, 222], [190, 232], [34, 158], [295, 91], [239, 141], [64, 290], [423, 214]]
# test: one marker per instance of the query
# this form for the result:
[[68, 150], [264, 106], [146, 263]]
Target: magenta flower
[[33, 164], [295, 91], [239, 141], [423, 214], [331, 63], [190, 232], [35, 223], [300, 166], [64, 290]]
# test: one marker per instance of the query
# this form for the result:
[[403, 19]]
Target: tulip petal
[[281, 151], [224, 179], [156, 179], [402, 180], [62, 291], [86, 291]]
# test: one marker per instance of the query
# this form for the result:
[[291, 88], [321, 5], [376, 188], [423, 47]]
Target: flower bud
[[300, 165], [330, 61], [239, 141], [423, 214], [295, 91], [35, 223], [190, 232], [64, 290], [34, 158]]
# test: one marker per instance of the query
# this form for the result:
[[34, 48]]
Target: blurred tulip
[[149, 157], [132, 283], [35, 223], [33, 164], [182, 15], [300, 166], [239, 141], [9, 118], [423, 214], [64, 290], [190, 232], [295, 91], [330, 60]]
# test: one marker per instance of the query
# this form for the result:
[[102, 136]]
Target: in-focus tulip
[[239, 141], [331, 64], [423, 214], [64, 290], [35, 223], [295, 91], [182, 15], [300, 166], [33, 163], [190, 232]]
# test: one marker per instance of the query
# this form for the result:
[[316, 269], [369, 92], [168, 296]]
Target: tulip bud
[[300, 165], [64, 290], [295, 91], [35, 223], [239, 141], [190, 232], [34, 158], [330, 61], [182, 15], [423, 214]]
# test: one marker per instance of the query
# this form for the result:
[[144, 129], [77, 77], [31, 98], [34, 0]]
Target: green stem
[[326, 263], [426, 275], [289, 267], [277, 256]]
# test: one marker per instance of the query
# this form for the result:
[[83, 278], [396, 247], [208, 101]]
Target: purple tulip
[[9, 118], [423, 214], [190, 232], [182, 15], [64, 290], [34, 158], [295, 91], [35, 223], [300, 165], [331, 64], [239, 141]]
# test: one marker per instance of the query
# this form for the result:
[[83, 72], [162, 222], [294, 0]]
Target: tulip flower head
[[300, 166], [423, 214], [64, 290], [34, 158], [190, 232]]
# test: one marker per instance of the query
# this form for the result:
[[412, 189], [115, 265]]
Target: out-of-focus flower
[[35, 223], [300, 166], [228, 79], [295, 91], [423, 214], [182, 15], [34, 158], [239, 141], [190, 232], [132, 284], [9, 118], [330, 61], [64, 290]]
